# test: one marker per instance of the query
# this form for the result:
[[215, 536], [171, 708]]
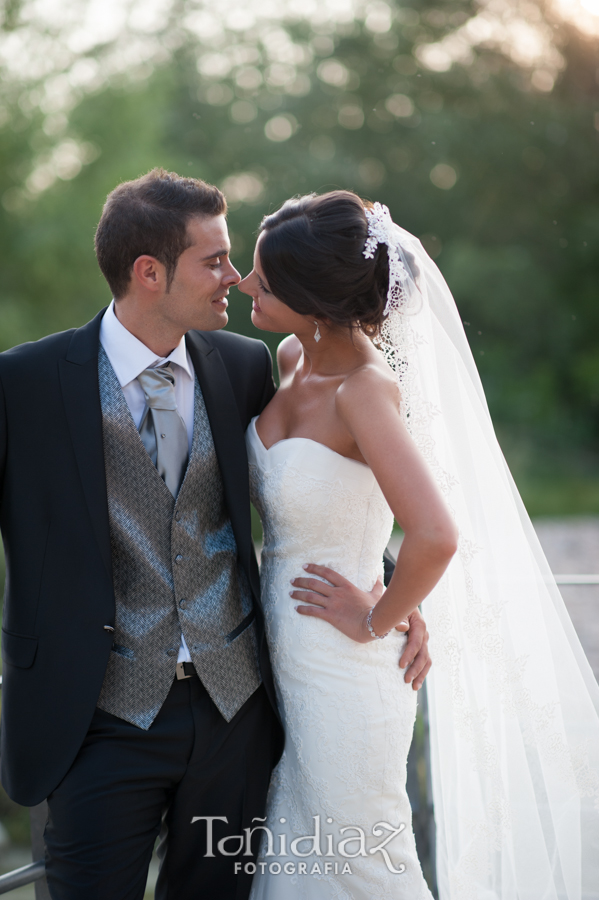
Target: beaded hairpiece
[[380, 231]]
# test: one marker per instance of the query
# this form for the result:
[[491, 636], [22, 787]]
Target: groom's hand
[[415, 655]]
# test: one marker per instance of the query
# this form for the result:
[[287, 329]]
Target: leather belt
[[185, 670]]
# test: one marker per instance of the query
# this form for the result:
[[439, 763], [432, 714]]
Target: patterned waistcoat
[[175, 571]]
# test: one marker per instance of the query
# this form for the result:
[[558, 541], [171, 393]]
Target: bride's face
[[268, 312]]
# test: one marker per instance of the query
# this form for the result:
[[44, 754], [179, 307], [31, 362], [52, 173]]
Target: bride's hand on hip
[[336, 600]]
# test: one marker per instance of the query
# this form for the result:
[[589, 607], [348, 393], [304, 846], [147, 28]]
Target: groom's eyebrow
[[224, 252]]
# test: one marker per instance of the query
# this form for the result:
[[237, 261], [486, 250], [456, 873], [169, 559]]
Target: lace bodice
[[318, 506]]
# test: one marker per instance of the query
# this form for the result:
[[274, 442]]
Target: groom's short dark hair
[[149, 216]]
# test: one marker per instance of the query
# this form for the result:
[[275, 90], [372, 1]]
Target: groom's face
[[197, 297]]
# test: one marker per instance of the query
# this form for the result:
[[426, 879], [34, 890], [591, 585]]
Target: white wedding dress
[[347, 711]]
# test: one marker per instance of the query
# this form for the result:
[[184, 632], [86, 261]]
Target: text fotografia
[[291, 868], [351, 843]]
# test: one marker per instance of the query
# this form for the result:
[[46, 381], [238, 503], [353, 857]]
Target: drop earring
[[317, 334]]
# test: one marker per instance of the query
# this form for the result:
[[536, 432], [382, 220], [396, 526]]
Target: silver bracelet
[[378, 637]]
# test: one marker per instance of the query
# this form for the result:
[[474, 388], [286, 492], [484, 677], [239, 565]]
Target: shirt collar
[[129, 356]]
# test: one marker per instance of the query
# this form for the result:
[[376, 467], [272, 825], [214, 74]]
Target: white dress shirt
[[129, 358]]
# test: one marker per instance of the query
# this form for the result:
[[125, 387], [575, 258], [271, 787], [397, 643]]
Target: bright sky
[[591, 6], [585, 13]]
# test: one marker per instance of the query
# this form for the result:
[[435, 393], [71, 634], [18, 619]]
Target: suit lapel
[[228, 436], [78, 374]]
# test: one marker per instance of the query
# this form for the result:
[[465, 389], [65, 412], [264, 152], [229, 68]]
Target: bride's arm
[[368, 404]]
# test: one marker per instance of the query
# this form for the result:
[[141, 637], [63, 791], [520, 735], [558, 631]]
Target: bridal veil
[[514, 705]]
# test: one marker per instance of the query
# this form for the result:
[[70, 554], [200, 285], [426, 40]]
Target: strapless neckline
[[306, 440]]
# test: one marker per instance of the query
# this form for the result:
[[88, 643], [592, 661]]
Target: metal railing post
[[430, 811], [34, 872], [420, 793], [37, 818]]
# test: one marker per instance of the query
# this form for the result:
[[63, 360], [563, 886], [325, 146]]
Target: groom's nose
[[231, 276]]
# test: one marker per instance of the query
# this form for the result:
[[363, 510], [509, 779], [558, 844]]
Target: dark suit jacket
[[54, 521]]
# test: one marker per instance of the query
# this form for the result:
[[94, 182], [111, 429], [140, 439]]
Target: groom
[[137, 688]]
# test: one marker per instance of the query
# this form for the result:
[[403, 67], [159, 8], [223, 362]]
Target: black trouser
[[126, 784]]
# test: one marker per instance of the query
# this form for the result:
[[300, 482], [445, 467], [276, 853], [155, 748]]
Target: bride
[[353, 437]]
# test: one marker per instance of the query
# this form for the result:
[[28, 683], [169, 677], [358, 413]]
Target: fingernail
[[305, 566], [292, 581], [297, 607], [291, 593]]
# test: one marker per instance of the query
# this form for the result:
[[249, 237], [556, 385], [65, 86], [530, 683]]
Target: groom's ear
[[149, 273]]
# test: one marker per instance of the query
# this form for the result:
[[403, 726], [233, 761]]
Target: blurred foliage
[[492, 164]]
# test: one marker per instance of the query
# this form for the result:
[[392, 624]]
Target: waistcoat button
[[171, 652], [183, 604], [178, 558]]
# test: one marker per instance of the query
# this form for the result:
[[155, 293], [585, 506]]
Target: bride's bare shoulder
[[288, 354], [368, 386]]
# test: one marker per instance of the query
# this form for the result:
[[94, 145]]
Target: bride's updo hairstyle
[[312, 254]]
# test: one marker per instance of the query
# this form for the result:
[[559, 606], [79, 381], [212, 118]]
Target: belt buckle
[[180, 671]]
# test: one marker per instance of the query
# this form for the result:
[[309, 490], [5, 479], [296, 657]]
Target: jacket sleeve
[[389, 565], [269, 388]]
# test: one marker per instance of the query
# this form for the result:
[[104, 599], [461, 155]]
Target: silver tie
[[162, 430]]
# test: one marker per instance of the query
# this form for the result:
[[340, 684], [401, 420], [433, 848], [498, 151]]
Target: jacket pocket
[[18, 649], [245, 623]]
